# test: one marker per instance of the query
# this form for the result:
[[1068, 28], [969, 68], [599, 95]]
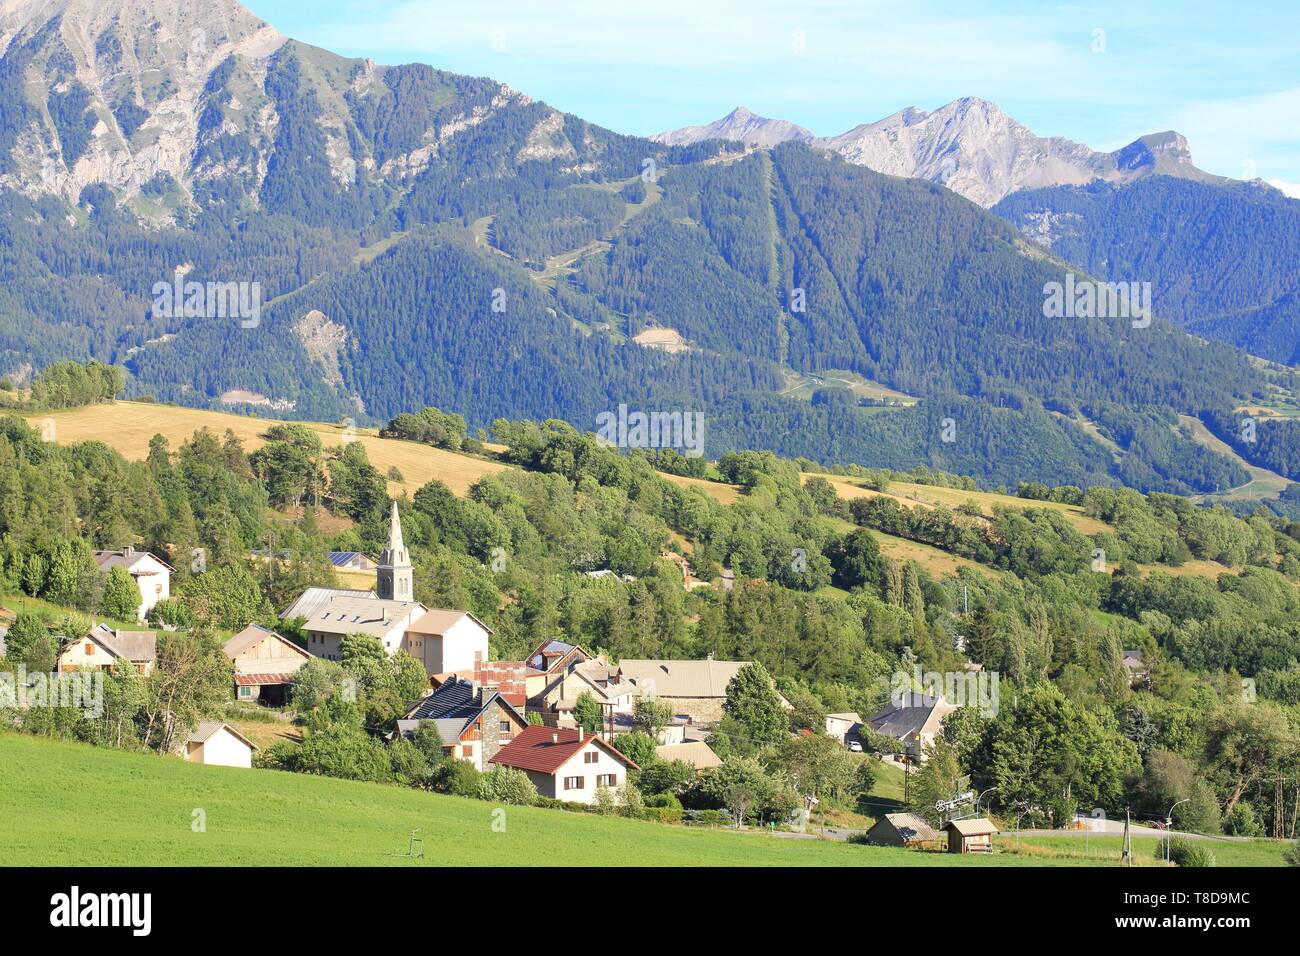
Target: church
[[441, 640]]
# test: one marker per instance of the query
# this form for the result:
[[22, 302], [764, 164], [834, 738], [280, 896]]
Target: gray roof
[[205, 730], [135, 646], [972, 826], [377, 617], [453, 707], [313, 599], [665, 678], [910, 827], [901, 722]]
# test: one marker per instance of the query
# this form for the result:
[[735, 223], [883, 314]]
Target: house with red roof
[[566, 764]]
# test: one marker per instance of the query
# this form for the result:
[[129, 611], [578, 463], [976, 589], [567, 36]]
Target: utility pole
[[1126, 855]]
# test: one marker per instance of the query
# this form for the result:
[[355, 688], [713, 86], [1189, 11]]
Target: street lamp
[[1169, 822]]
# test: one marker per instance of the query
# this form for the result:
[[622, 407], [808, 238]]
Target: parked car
[[855, 746]]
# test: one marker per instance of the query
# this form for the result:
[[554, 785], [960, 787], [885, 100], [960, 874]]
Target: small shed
[[218, 744], [902, 829], [974, 835]]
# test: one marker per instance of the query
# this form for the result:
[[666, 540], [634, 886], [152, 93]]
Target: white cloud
[[1290, 189]]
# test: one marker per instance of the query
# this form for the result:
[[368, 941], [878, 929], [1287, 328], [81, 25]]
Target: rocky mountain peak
[[969, 145]]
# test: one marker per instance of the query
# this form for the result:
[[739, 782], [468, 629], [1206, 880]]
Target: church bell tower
[[394, 580]]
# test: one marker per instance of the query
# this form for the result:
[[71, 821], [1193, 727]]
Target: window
[[90, 649], [505, 727], [591, 756], [574, 783], [606, 779], [467, 750], [245, 692]]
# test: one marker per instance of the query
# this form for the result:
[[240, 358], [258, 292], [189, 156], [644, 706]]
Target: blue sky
[[1229, 81]]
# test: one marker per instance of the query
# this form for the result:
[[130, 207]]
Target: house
[[902, 829], [972, 835], [696, 753], [474, 723], [558, 699], [673, 732], [264, 663], [549, 660], [566, 764], [914, 720], [447, 641], [218, 745], [352, 561], [313, 599], [102, 647], [1135, 666], [443, 641], [694, 689], [509, 678], [152, 576], [383, 619], [838, 726]]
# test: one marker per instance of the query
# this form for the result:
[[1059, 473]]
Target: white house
[[220, 745], [151, 576], [101, 648], [447, 641], [566, 764], [838, 726]]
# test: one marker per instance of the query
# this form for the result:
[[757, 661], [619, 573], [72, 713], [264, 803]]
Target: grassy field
[[145, 807], [1263, 483], [128, 426], [1106, 850]]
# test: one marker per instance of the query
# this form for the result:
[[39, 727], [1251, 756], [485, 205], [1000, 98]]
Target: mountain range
[[969, 145], [423, 238]]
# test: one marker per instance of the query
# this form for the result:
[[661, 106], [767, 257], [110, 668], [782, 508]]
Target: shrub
[[507, 785], [456, 777], [663, 801], [667, 815], [1189, 853], [1242, 821], [709, 818]]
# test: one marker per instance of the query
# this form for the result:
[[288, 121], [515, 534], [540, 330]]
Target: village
[[519, 714]]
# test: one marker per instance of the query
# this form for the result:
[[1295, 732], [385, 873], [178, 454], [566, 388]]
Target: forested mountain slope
[[421, 238]]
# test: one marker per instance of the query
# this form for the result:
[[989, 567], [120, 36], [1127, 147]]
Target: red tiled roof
[[257, 680], [536, 748]]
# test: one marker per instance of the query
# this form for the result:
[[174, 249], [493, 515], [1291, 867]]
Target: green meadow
[[69, 804]]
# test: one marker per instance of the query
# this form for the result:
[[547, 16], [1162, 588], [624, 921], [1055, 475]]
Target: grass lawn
[[144, 808], [1106, 849]]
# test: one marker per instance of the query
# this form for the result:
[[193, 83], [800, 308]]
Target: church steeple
[[394, 580]]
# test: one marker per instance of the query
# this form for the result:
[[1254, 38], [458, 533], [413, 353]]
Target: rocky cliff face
[[176, 105], [969, 146], [113, 92]]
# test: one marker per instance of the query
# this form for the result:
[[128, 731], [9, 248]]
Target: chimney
[[580, 735], [555, 738], [128, 551]]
